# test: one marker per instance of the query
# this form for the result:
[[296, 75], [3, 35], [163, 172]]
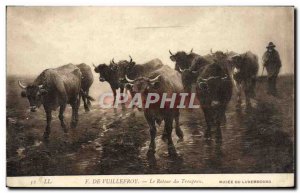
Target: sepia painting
[[150, 96]]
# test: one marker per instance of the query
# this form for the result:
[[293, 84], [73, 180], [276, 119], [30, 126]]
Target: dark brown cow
[[214, 91], [182, 59], [87, 80], [109, 73], [133, 70]]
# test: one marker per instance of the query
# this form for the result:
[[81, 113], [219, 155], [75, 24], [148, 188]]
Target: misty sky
[[46, 37]]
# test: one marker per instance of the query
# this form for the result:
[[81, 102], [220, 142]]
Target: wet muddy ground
[[116, 142]]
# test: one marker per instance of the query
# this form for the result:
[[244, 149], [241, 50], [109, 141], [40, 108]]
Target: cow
[[190, 75], [214, 91], [55, 88], [162, 80], [87, 80], [133, 70], [109, 73], [244, 71], [182, 59]]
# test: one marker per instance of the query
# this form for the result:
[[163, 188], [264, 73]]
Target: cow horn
[[113, 61], [171, 53], [213, 77], [128, 80], [94, 65], [194, 71], [21, 85], [130, 58], [203, 79], [191, 51], [154, 79], [180, 70], [41, 86], [211, 51]]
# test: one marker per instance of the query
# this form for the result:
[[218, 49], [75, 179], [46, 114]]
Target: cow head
[[182, 59], [188, 77], [143, 84], [125, 67], [237, 61], [218, 56], [108, 73], [211, 84], [34, 94]]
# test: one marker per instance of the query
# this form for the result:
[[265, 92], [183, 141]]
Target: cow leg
[[208, 118], [169, 127], [84, 99], [48, 126], [88, 101], [248, 103], [121, 97], [178, 130], [61, 117], [152, 128], [115, 96], [220, 115], [75, 106], [239, 96], [164, 136]]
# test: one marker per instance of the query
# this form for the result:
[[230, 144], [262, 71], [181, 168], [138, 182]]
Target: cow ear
[[132, 63], [23, 94], [43, 91], [172, 58], [155, 84], [113, 67]]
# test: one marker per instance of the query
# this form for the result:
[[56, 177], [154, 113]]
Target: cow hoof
[[172, 151], [46, 135], [179, 134], [207, 135], [238, 108], [219, 139], [150, 152], [89, 104], [164, 137], [248, 109], [73, 125], [87, 110]]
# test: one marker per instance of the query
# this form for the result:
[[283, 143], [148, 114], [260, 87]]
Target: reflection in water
[[213, 151], [152, 162]]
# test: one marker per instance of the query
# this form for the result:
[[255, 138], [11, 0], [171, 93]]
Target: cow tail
[[87, 96]]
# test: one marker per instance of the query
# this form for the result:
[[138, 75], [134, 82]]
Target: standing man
[[272, 62]]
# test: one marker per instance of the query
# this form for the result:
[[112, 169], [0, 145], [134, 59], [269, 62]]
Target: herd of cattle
[[214, 76]]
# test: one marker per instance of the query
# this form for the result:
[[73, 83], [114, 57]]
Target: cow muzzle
[[102, 79], [122, 80], [203, 86], [33, 108]]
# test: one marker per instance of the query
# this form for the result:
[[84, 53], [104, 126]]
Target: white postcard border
[[162, 180]]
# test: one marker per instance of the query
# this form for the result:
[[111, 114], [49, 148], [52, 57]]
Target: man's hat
[[271, 45]]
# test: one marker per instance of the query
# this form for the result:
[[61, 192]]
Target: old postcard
[[150, 97]]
